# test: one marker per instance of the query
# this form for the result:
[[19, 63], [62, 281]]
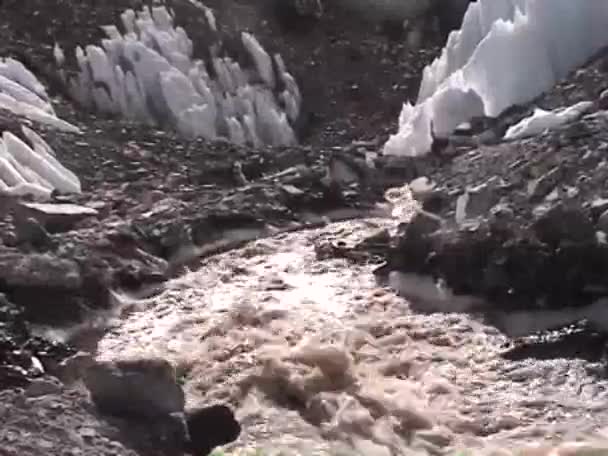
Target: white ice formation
[[507, 52], [209, 16], [30, 169], [148, 74], [542, 120], [22, 94]]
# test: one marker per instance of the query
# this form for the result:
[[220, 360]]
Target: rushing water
[[313, 353]]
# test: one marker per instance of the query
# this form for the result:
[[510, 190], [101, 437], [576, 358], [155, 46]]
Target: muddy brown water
[[315, 355]]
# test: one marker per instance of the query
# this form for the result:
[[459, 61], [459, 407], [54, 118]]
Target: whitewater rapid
[[313, 354]]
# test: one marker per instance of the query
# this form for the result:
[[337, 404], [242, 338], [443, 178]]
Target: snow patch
[[148, 74], [507, 52]]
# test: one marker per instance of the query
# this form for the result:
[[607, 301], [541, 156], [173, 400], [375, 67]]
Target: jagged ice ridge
[[148, 74], [507, 52], [30, 169], [22, 94]]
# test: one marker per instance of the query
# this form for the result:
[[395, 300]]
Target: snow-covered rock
[[507, 52], [148, 74]]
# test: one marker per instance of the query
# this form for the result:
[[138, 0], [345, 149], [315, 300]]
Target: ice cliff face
[[30, 169], [148, 74], [507, 52]]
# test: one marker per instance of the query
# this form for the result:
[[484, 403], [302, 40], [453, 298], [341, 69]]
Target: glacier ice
[[542, 120], [17, 72], [209, 16], [22, 94], [30, 169], [507, 52], [147, 73]]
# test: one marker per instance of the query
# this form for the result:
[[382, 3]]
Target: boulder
[[210, 427], [43, 387], [54, 217], [563, 223], [143, 387], [30, 231]]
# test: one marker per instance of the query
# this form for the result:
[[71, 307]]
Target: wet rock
[[350, 167], [74, 367], [437, 201], [171, 431], [423, 224], [415, 245], [422, 188], [476, 201], [210, 427], [397, 170], [145, 387], [563, 223], [22, 356]]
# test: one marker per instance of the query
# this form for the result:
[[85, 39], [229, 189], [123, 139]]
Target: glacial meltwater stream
[[314, 354]]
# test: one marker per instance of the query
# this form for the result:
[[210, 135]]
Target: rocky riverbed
[[263, 276]]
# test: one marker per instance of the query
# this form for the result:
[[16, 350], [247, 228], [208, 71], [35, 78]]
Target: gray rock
[[423, 224], [43, 387], [422, 188], [144, 387], [603, 100], [598, 206], [54, 217], [74, 368], [476, 201], [501, 216], [31, 231], [563, 223], [292, 190], [172, 431], [602, 222], [39, 270], [344, 170]]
